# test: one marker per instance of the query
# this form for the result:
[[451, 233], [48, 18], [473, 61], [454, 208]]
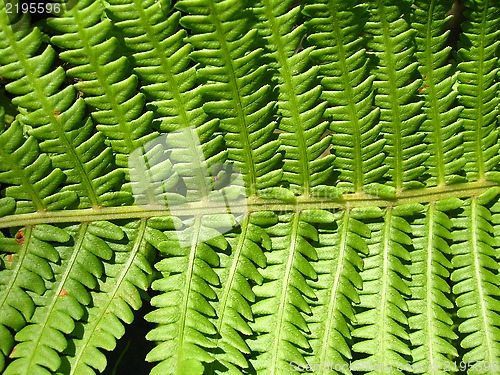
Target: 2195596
[[33, 8]]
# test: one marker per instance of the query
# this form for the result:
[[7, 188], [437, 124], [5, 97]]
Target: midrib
[[251, 204]]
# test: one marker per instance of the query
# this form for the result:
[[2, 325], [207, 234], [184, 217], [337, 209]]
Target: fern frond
[[29, 176], [476, 283], [430, 323], [162, 63], [396, 87], [239, 273], [235, 87], [382, 328], [444, 135], [184, 308], [334, 28], [103, 76], [58, 309], [198, 148], [339, 264], [42, 268], [55, 117], [24, 275], [478, 88], [283, 297], [303, 137], [114, 300]]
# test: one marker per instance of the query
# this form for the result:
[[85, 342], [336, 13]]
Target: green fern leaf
[[396, 93], [162, 62], [55, 117], [290, 186], [103, 77], [475, 278], [184, 309], [53, 314], [382, 327], [283, 297], [115, 298], [235, 88], [334, 27], [303, 136], [432, 338], [175, 99], [337, 288], [239, 273], [441, 124], [26, 269], [80, 267], [477, 68]]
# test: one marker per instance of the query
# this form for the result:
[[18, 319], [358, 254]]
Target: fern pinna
[[283, 186]]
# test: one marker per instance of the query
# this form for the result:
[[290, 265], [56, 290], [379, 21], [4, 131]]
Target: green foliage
[[340, 53], [287, 186]]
